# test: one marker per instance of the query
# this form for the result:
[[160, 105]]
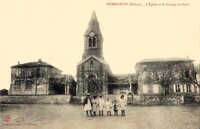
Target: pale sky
[[52, 30]]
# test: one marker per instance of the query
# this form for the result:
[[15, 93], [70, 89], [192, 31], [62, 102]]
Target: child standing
[[122, 105], [87, 105], [94, 105], [108, 107], [101, 105], [115, 108]]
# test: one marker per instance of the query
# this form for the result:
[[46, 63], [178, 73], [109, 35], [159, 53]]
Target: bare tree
[[133, 77], [196, 75], [163, 73], [166, 73], [37, 77]]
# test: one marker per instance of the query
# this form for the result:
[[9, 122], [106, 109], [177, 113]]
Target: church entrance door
[[92, 85]]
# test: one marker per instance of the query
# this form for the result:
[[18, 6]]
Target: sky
[[52, 30]]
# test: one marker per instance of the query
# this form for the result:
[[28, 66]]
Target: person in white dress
[[94, 105], [88, 105], [108, 107], [122, 104], [101, 105]]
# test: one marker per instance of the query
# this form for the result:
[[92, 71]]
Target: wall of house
[[158, 89], [149, 89], [41, 89], [148, 85], [183, 88]]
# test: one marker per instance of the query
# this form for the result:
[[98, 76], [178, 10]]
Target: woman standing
[[87, 105]]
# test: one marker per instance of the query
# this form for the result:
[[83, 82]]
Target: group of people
[[99, 105]]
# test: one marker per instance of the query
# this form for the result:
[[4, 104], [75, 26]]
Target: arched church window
[[90, 42], [91, 64], [94, 42]]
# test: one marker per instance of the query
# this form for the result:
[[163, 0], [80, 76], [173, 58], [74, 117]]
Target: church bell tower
[[92, 70], [93, 39]]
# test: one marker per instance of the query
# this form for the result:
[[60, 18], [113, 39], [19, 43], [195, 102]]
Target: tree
[[165, 73], [196, 74], [37, 77]]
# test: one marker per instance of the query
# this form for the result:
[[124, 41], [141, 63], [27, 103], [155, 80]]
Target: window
[[91, 65], [29, 72], [188, 88], [144, 67], [17, 85], [28, 85], [177, 87], [187, 75], [155, 88], [145, 89], [18, 72], [92, 42]]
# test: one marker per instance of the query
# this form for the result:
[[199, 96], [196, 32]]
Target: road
[[73, 117]]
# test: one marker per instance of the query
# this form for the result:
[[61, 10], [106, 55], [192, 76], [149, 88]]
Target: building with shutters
[[166, 76], [39, 78]]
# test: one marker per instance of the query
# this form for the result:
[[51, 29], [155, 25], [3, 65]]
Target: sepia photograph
[[100, 64]]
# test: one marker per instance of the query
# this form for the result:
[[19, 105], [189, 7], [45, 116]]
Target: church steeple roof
[[93, 17], [93, 25]]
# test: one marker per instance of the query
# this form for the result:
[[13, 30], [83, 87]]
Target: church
[[94, 75]]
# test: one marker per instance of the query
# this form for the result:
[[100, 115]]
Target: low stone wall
[[197, 98], [63, 99], [145, 100], [40, 99], [157, 100]]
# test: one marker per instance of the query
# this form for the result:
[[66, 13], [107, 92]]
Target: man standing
[[87, 105]]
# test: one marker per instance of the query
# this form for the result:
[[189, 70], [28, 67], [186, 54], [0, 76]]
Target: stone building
[[93, 71], [166, 76], [37, 78], [94, 75]]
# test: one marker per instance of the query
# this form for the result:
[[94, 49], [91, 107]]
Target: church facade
[[94, 75]]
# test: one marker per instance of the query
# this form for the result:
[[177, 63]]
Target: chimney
[[39, 60], [18, 62]]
